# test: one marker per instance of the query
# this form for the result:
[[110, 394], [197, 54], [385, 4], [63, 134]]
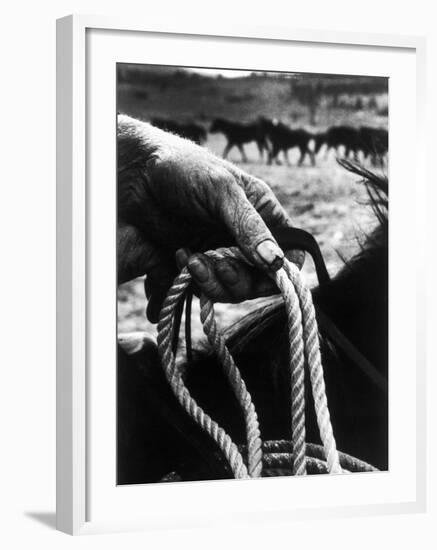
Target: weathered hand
[[173, 194]]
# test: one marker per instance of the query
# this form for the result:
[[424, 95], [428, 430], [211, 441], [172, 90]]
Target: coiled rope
[[304, 350]]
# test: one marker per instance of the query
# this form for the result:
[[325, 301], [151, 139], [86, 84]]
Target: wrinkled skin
[[177, 200]]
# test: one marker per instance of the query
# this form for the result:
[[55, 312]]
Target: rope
[[303, 348], [279, 454], [237, 384], [168, 360], [314, 361], [297, 370]]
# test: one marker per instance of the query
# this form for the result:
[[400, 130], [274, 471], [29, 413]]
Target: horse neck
[[356, 300]]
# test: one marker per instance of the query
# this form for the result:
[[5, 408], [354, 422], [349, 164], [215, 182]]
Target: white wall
[[27, 306]]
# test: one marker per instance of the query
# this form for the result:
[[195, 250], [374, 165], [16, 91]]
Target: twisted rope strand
[[238, 386], [168, 361], [297, 368], [314, 360]]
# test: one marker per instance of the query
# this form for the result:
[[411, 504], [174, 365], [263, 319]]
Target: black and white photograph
[[219, 295], [252, 274]]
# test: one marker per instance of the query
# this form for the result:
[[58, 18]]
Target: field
[[325, 200]]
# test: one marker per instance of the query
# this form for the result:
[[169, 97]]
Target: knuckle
[[213, 290], [250, 226]]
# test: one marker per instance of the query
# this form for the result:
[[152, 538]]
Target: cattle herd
[[273, 137]]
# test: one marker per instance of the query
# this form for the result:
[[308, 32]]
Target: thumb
[[248, 228]]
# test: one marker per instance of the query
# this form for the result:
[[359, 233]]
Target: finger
[[243, 282], [264, 287], [202, 271], [270, 209], [182, 256], [248, 228], [261, 196], [235, 277], [136, 256], [156, 285], [265, 202]]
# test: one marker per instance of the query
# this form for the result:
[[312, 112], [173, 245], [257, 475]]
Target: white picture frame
[[73, 291]]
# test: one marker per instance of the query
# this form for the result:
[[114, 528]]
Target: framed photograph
[[240, 332]]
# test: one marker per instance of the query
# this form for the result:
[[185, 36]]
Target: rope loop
[[304, 349]]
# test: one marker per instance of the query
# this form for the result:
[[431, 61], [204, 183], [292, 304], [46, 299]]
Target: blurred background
[[324, 199]]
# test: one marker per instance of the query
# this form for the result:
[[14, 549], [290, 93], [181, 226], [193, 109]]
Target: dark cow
[[340, 136], [373, 142], [188, 130], [283, 138], [238, 134]]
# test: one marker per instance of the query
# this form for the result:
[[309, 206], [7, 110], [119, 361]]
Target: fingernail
[[199, 269], [228, 273], [182, 255], [270, 254]]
